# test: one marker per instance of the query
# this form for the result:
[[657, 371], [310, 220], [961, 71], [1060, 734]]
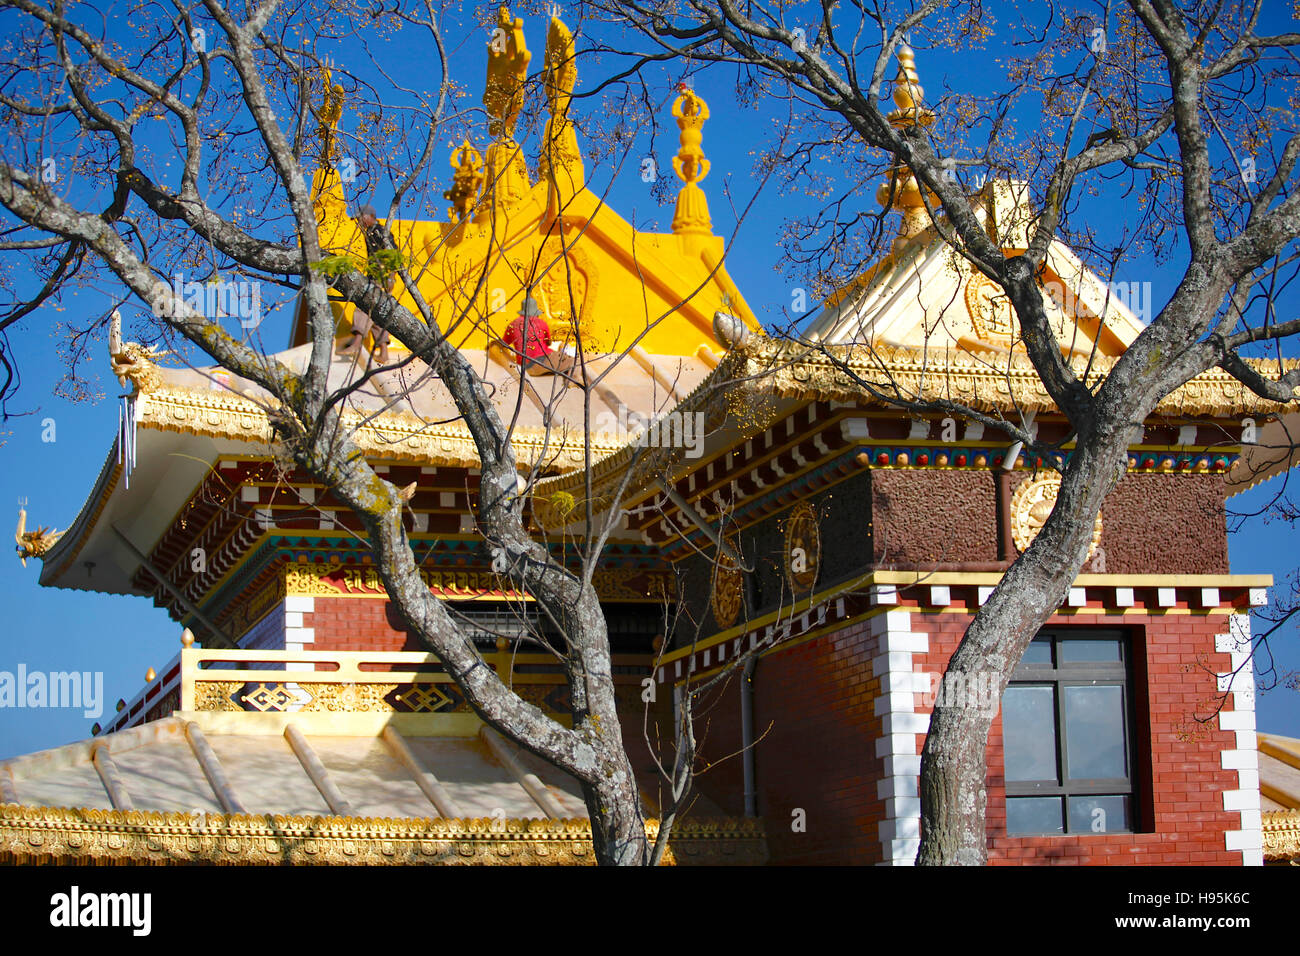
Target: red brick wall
[[815, 703], [1178, 770], [358, 624], [819, 753]]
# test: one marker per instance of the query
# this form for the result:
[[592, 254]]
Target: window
[[1067, 735]]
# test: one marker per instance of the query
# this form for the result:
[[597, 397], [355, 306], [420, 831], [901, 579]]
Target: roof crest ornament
[[132, 361], [692, 213], [503, 97], [466, 182], [901, 190], [33, 544], [559, 142]]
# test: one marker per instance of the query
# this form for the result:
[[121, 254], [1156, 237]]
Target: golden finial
[[690, 111], [692, 213], [901, 190], [466, 182], [149, 675], [328, 116], [908, 94], [187, 638], [560, 144], [503, 96]]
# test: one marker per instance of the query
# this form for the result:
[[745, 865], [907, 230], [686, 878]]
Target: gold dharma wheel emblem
[[989, 309], [728, 587], [803, 545], [1031, 503]]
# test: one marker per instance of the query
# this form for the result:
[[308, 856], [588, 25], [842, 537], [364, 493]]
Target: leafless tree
[[179, 141], [1181, 107]]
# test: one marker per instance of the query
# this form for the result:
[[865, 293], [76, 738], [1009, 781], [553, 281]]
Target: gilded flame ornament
[[503, 97], [561, 158]]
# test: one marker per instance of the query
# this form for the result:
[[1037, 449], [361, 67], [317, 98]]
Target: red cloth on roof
[[528, 338]]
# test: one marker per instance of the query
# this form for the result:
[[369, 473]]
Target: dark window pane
[[1094, 732], [1038, 654], [1029, 732], [1034, 815], [1090, 651], [1099, 814]]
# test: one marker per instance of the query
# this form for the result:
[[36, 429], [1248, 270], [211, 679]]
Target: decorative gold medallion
[[990, 309], [728, 588], [1031, 503], [802, 548]]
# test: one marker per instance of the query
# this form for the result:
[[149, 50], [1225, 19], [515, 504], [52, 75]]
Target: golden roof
[[594, 275]]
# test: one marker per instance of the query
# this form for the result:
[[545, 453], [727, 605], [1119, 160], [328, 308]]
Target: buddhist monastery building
[[773, 502]]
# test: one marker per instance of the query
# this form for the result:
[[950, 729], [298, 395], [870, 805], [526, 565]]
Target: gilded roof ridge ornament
[[332, 222], [901, 190], [33, 544], [691, 216], [559, 141], [132, 361], [503, 98], [328, 116], [466, 182]]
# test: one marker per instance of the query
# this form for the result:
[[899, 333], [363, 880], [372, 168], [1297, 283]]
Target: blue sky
[[52, 630]]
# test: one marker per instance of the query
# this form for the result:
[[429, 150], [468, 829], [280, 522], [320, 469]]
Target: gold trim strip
[[1281, 835], [67, 836]]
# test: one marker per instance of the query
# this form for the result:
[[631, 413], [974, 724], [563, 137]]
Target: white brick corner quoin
[[1244, 759], [900, 829], [297, 634]]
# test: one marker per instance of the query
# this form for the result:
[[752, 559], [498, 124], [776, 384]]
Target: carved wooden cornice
[[71, 836], [988, 382], [395, 436], [1281, 835]]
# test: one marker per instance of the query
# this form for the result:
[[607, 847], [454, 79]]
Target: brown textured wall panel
[[1165, 524], [934, 517], [1151, 524]]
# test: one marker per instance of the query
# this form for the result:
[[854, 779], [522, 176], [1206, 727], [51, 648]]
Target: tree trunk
[[613, 798], [953, 767], [618, 835]]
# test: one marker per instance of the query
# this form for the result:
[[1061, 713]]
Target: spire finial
[[692, 213], [901, 190], [560, 151], [328, 116], [503, 96], [908, 94]]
